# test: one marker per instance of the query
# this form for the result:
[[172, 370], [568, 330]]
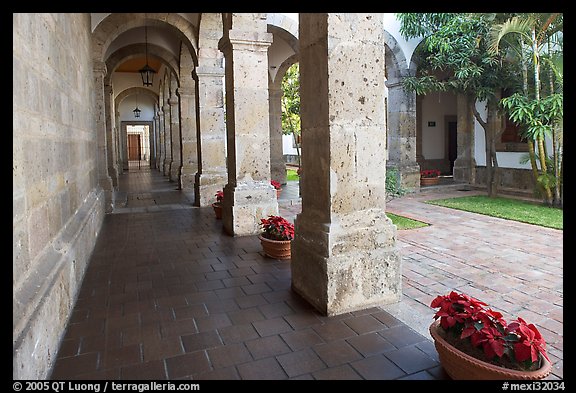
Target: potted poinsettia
[[475, 342], [277, 186], [429, 177], [218, 204], [276, 237]]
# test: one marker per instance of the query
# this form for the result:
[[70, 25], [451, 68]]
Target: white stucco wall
[[505, 159], [288, 145], [435, 106]]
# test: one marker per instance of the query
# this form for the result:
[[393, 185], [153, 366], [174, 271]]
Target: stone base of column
[[166, 168], [464, 170], [107, 186], [187, 178], [245, 205], [278, 171], [206, 186], [175, 172], [340, 268], [410, 177]]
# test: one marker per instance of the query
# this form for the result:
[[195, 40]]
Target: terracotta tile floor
[[167, 295]]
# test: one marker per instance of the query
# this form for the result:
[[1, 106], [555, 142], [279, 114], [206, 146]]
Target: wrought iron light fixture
[[147, 72], [136, 111]]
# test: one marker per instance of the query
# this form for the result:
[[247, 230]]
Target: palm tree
[[528, 33]]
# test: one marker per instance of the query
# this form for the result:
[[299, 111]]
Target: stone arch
[[131, 51], [123, 147], [133, 90], [115, 24], [401, 117], [286, 26]]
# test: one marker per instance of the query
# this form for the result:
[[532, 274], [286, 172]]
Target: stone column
[[248, 196], [176, 163], [153, 141], [402, 135], [110, 135], [189, 136], [277, 164], [167, 140], [104, 179], [419, 156], [465, 164], [124, 136], [344, 256], [211, 175], [160, 153], [119, 142]]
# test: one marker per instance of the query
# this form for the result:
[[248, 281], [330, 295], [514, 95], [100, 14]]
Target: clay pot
[[217, 210], [429, 181], [459, 365], [277, 249]]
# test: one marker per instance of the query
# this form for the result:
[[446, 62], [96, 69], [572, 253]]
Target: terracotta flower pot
[[217, 210], [278, 192], [429, 181], [459, 365], [277, 249]]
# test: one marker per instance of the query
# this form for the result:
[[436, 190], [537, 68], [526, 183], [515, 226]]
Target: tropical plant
[[536, 40], [454, 56], [277, 228], [484, 334]]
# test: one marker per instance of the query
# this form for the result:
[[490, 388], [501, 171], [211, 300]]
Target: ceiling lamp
[[136, 111], [147, 72]]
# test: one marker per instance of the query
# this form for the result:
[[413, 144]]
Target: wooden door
[[133, 146]]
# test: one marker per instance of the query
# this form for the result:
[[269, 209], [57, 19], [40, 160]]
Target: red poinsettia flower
[[518, 341], [276, 184], [219, 196], [530, 343], [277, 228]]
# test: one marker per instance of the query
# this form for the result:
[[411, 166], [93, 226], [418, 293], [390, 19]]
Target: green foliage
[[454, 54], [291, 174], [291, 100], [510, 209], [537, 116], [393, 187]]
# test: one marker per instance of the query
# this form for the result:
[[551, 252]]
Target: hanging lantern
[[147, 72]]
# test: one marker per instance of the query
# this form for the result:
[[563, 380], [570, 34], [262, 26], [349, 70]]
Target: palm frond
[[518, 25]]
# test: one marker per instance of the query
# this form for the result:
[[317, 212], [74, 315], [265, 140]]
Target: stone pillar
[[277, 164], [189, 136], [104, 179], [153, 141], [167, 140], [110, 135], [402, 135], [176, 163], [248, 196], [465, 164], [119, 143], [419, 156], [211, 176], [344, 256], [161, 140]]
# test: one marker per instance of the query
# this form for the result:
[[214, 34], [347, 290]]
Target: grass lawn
[[292, 175], [510, 209], [405, 223]]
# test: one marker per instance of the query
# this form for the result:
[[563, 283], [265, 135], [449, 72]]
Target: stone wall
[[57, 206], [512, 180]]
